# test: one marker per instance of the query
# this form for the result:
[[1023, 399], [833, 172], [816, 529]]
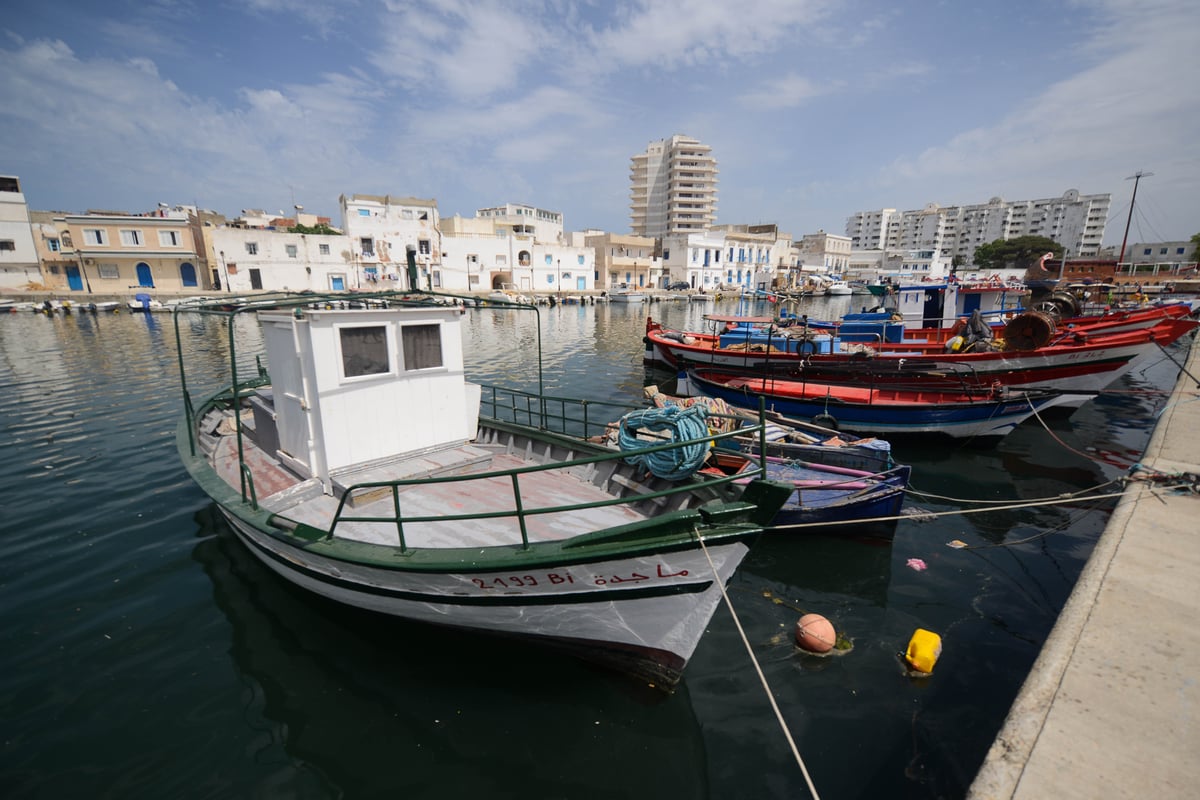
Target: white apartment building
[[18, 255], [253, 259], [487, 252], [381, 229], [522, 220], [747, 256], [1074, 220], [828, 251], [673, 188]]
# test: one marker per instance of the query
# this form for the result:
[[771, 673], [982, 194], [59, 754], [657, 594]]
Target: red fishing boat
[[1078, 362]]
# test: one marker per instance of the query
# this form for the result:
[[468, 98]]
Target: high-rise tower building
[[674, 188]]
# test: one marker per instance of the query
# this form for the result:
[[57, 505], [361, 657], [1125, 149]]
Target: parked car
[[679, 285]]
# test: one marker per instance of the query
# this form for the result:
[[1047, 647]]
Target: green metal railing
[[519, 511]]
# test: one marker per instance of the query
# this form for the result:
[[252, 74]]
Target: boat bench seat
[[431, 464]]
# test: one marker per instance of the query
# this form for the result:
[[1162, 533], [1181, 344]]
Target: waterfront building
[[381, 229], [511, 250], [626, 259], [270, 259], [897, 266], [121, 254], [731, 256], [827, 251], [673, 188], [758, 256], [1074, 220], [1159, 261], [19, 264], [55, 251]]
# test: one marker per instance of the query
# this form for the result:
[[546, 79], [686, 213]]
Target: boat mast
[[1137, 176]]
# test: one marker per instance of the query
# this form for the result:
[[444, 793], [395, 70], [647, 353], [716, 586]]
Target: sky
[[814, 109]]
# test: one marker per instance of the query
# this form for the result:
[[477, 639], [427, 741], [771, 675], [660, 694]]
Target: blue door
[[187, 274], [144, 276], [74, 280], [581, 283]]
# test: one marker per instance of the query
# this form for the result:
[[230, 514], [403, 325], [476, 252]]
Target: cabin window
[[291, 250], [323, 249], [423, 247], [131, 238], [422, 346], [108, 271], [252, 248], [7, 244], [53, 246], [95, 236], [168, 238], [364, 351]]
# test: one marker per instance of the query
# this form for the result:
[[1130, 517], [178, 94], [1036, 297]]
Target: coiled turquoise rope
[[683, 423]]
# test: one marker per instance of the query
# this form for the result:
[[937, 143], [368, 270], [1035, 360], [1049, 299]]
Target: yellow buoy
[[923, 650]]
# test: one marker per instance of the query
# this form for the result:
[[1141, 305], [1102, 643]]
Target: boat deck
[[282, 491]]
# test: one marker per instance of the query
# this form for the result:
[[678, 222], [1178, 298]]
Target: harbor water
[[148, 655]]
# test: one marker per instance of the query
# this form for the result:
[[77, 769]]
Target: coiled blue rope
[[676, 463]]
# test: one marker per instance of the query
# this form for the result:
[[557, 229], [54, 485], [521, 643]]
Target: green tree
[[1023, 252], [322, 229]]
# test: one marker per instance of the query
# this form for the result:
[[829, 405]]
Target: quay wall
[[1111, 707]]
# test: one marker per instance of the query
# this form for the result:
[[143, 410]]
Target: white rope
[[932, 514], [763, 678]]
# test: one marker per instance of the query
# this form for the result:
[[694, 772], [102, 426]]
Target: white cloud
[[468, 49], [785, 91], [1134, 107]]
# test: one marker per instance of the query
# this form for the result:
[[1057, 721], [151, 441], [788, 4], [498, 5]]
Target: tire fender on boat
[[826, 420]]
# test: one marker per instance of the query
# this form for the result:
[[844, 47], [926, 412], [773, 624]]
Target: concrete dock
[[1111, 707]]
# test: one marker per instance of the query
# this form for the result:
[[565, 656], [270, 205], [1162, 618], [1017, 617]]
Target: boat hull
[[983, 418], [644, 614], [854, 504]]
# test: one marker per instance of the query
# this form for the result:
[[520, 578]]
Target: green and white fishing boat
[[359, 463]]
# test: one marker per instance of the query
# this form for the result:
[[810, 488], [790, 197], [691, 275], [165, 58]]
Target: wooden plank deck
[[538, 490], [282, 491]]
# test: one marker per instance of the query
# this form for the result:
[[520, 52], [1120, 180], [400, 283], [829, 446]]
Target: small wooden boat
[[144, 302], [830, 498], [784, 437], [963, 413], [626, 294], [825, 494], [359, 463]]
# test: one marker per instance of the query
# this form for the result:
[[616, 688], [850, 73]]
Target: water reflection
[[358, 704]]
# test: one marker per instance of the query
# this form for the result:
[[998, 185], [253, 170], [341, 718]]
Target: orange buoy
[[815, 634]]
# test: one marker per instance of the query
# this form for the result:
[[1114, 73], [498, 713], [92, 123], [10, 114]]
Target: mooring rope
[[761, 677]]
